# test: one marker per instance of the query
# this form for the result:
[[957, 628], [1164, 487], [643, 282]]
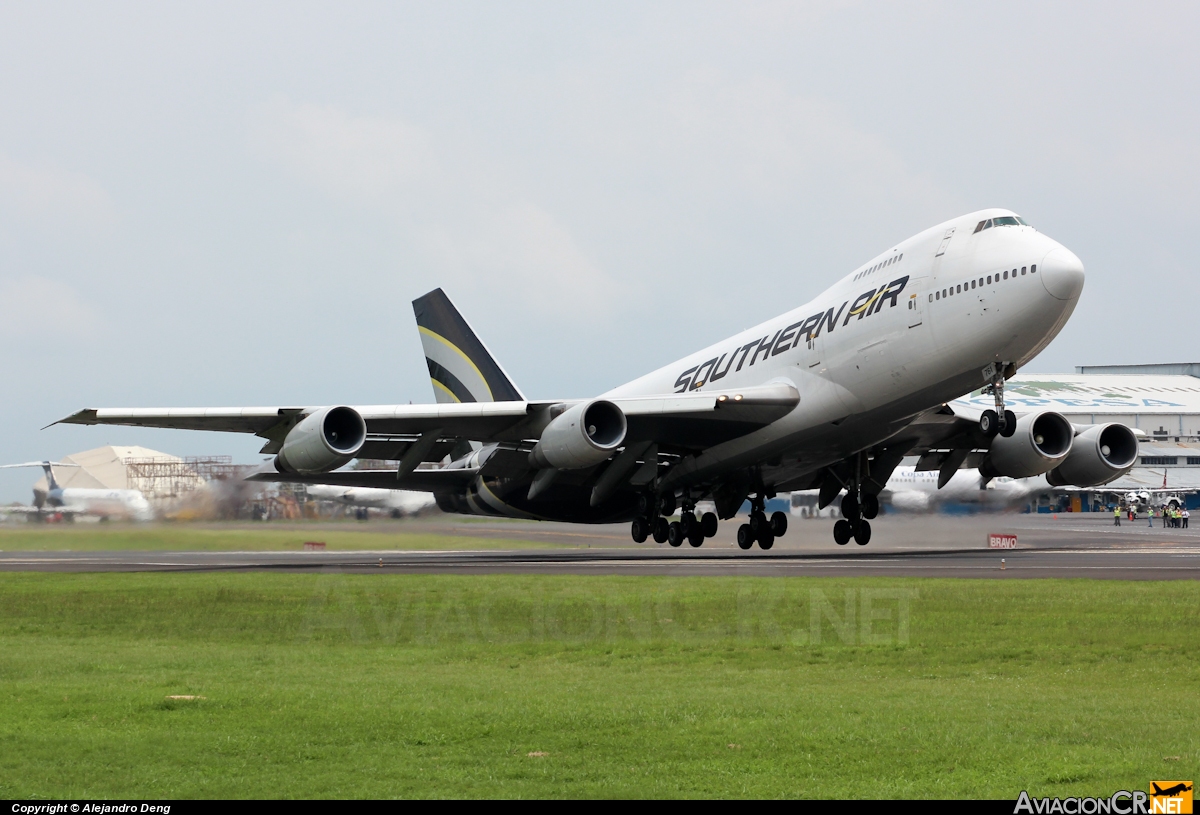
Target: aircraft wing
[[690, 420], [439, 480]]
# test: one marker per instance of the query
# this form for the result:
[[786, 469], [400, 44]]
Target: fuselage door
[[916, 310], [945, 242]]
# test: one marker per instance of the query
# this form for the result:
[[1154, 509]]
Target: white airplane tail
[[48, 466]]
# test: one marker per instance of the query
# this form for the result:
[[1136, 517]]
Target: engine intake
[[1040, 443], [582, 436], [322, 441], [1098, 455]]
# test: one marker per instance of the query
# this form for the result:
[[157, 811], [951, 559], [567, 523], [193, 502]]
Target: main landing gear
[[858, 509], [855, 522], [760, 528], [998, 421], [652, 521]]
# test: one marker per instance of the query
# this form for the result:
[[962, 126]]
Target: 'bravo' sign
[[1002, 541]]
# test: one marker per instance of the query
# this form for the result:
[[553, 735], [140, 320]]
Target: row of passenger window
[[881, 264], [961, 287]]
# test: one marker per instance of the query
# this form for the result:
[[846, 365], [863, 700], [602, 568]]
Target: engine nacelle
[[580, 437], [1098, 455], [1040, 443], [322, 441]]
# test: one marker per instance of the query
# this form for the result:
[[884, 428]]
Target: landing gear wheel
[[758, 519], [695, 535], [870, 506], [1010, 424], [862, 533], [778, 524], [660, 530], [842, 532], [708, 522], [639, 529], [645, 505], [666, 504], [989, 423], [850, 508], [675, 533], [745, 536], [765, 539]]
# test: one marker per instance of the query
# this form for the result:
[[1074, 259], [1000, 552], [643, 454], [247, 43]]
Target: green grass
[[191, 538], [387, 685]]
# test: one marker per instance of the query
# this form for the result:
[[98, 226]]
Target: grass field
[[231, 537], [526, 686]]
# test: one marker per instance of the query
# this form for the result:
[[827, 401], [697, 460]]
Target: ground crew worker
[[1116, 515], [1185, 518]]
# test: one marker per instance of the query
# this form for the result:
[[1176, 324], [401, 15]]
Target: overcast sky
[[212, 204]]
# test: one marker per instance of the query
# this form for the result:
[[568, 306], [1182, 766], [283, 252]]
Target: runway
[[938, 546]]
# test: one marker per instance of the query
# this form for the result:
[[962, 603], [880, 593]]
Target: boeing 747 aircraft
[[829, 396]]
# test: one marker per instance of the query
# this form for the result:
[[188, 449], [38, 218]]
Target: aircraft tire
[[645, 504], [708, 522], [870, 506], [1010, 424], [989, 423], [779, 523], [745, 536], [765, 538], [862, 533], [850, 508], [757, 520], [695, 535], [666, 504], [660, 530], [639, 529], [675, 533], [842, 532]]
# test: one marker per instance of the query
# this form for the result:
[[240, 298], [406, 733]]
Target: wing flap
[[442, 480]]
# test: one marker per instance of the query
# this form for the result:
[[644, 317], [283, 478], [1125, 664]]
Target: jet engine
[[1098, 455], [322, 441], [581, 436], [1040, 443]]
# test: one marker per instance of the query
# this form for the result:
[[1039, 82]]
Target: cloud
[[44, 310], [462, 217], [354, 157], [52, 195]]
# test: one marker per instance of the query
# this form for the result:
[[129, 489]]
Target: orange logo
[[1170, 797]]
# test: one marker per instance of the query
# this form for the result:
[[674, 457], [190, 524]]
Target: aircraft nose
[[1062, 273]]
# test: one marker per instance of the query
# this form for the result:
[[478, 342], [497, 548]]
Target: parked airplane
[[72, 501], [397, 502], [831, 395]]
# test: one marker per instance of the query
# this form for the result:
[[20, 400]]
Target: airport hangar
[[1162, 400]]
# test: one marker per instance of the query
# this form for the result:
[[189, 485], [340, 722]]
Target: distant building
[[126, 468], [1161, 368]]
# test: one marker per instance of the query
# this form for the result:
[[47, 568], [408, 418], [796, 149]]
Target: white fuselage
[[403, 501], [884, 343], [104, 503]]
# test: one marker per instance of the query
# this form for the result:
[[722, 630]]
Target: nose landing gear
[[1000, 420]]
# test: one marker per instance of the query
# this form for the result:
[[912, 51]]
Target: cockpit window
[[1022, 221], [1006, 220]]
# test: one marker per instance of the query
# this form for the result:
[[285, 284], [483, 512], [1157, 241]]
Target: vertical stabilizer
[[460, 365]]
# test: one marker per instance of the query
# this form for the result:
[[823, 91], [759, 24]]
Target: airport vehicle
[[72, 501], [830, 395], [397, 503]]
